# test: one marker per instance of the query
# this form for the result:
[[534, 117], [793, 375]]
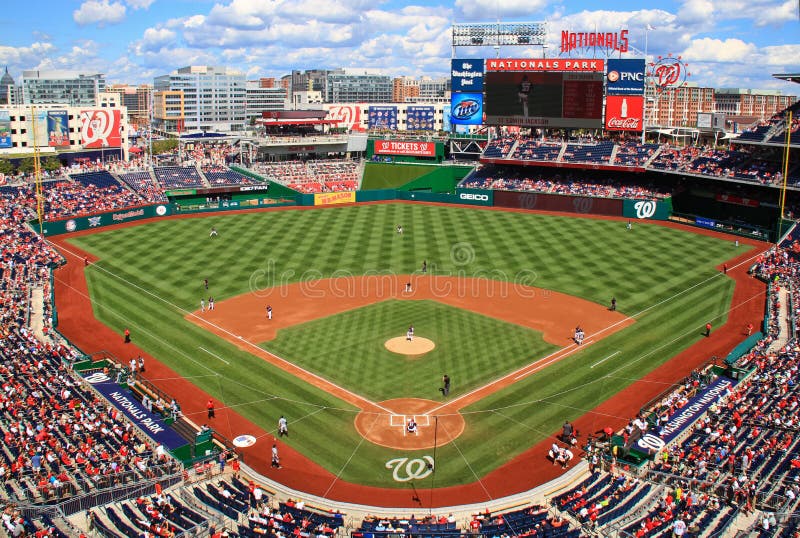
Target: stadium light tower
[[500, 34]]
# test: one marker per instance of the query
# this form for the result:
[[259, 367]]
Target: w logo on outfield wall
[[645, 209]]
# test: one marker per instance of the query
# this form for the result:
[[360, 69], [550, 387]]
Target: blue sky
[[726, 43]]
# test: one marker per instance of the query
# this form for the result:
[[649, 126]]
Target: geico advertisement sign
[[471, 196]]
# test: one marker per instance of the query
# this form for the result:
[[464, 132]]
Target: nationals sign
[[100, 128], [401, 147], [348, 116], [611, 41], [539, 64], [624, 112]]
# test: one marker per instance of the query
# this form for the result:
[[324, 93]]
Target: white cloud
[[493, 9], [140, 4], [24, 57], [99, 12], [785, 56], [717, 50], [760, 12], [696, 12], [154, 39]]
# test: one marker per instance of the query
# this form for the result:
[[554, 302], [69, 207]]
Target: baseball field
[[499, 301]]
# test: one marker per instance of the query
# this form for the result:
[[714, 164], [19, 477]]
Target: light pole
[[647, 29]]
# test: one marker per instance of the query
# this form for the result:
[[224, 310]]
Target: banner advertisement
[[151, 423], [534, 64], [466, 109], [705, 223], [100, 128], [40, 117], [5, 129], [330, 198], [475, 196], [647, 209], [625, 77], [348, 116], [419, 118], [382, 117], [410, 148], [57, 128], [77, 224], [624, 113], [738, 200], [683, 419], [466, 75], [704, 121]]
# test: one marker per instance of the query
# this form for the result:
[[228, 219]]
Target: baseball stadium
[[539, 326]]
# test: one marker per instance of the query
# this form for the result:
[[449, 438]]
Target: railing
[[80, 485], [111, 494]]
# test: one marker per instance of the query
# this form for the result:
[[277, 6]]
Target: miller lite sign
[[624, 112], [466, 109]]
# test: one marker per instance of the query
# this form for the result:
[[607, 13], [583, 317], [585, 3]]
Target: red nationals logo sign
[[348, 116], [669, 73], [100, 128]]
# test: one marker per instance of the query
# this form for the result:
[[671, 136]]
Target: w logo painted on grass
[[405, 470], [645, 209]]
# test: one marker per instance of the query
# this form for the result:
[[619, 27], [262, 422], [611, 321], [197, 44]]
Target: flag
[[650, 27]]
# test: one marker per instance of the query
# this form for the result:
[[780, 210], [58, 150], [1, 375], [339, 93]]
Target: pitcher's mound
[[417, 346]]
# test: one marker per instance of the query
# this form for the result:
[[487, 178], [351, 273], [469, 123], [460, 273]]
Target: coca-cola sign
[[624, 112], [624, 124]]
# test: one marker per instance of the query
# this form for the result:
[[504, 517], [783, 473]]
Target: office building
[[358, 86], [69, 88], [200, 98]]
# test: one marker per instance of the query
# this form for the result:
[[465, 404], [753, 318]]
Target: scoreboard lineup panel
[[554, 99]]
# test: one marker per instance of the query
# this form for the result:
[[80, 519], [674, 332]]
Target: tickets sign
[[411, 148]]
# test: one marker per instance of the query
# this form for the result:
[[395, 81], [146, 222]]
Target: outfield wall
[[99, 220], [581, 205], [537, 201]]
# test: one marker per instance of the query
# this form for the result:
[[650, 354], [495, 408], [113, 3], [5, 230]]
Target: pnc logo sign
[[471, 196], [625, 76]]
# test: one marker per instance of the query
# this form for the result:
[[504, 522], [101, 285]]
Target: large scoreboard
[[559, 93]]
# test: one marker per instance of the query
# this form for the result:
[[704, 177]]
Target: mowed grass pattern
[[149, 276], [348, 348]]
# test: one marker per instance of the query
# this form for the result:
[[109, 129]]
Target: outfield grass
[[348, 349], [149, 276]]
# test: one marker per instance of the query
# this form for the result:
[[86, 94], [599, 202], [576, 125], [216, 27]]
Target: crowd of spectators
[[329, 175], [59, 437], [576, 183], [708, 161], [741, 163]]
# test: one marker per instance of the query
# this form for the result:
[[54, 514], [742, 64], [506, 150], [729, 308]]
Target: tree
[[6, 167], [25, 165], [164, 146], [51, 164]]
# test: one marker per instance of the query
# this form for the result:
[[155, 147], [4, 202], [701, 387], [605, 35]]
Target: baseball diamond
[[151, 277]]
